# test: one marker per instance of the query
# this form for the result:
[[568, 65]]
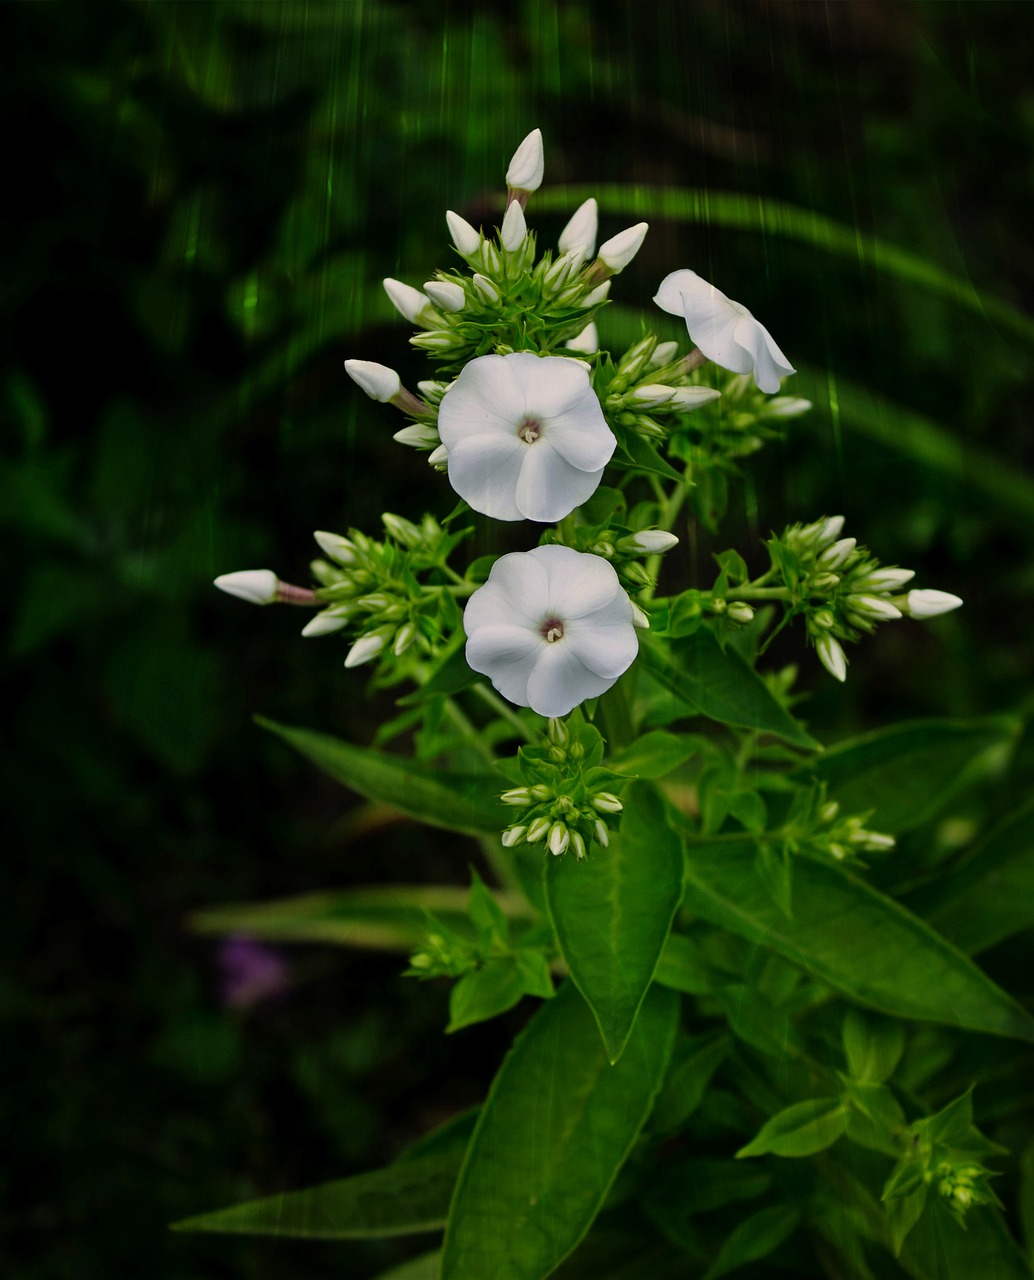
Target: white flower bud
[[874, 607], [527, 165], [559, 839], [832, 656], [833, 557], [824, 582], [619, 250], [877, 842], [514, 230], [446, 294], [512, 836], [829, 530], [664, 353], [324, 624], [537, 830], [607, 802], [401, 529], [577, 845], [516, 795], [786, 407], [257, 586], [928, 604], [579, 236], [404, 637], [366, 648], [739, 611], [884, 580], [640, 618], [588, 341], [602, 834], [338, 548], [558, 273], [410, 303], [486, 288], [418, 436], [431, 390], [377, 380], [649, 396], [464, 237], [648, 542], [597, 295], [439, 458], [689, 398]]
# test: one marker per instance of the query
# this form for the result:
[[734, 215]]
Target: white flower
[[550, 628], [928, 604], [257, 586], [724, 330], [528, 164], [465, 237], [525, 435], [579, 236], [377, 380], [617, 252]]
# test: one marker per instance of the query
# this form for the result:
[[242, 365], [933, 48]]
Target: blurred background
[[203, 198]]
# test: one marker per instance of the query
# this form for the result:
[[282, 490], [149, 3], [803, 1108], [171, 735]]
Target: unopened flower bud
[[597, 295], [418, 436], [439, 458], [739, 611], [649, 396], [557, 732], [832, 656], [324, 624], [664, 353], [786, 407], [402, 530], [822, 620], [648, 542], [556, 277], [559, 839], [829, 530], [588, 341], [486, 288], [640, 618], [377, 380], [824, 582], [410, 303], [404, 638], [928, 604], [636, 575], [513, 836], [878, 842], [836, 555], [579, 236], [257, 586], [527, 165], [436, 340], [607, 802], [617, 252], [366, 648], [446, 294], [464, 236], [686, 399], [577, 845], [874, 607], [332, 544], [829, 811], [514, 230], [879, 580], [517, 796], [602, 834], [537, 830]]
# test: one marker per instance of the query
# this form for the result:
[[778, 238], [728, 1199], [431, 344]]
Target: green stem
[[670, 506], [751, 592], [470, 734], [507, 713]]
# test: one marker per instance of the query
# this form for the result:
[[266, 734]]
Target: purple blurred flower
[[250, 972]]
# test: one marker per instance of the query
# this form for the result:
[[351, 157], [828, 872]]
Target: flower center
[[552, 630], [529, 430]]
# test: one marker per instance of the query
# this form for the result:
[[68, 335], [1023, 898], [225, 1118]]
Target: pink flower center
[[552, 630], [529, 430]]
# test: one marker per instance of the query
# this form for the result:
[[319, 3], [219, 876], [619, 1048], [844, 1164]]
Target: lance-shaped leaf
[[719, 684], [846, 934], [612, 912], [405, 1198], [458, 802], [906, 773], [799, 1130], [555, 1129], [754, 1238]]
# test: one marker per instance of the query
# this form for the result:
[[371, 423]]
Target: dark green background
[[201, 201]]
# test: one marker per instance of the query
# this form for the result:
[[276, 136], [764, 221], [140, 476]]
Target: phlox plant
[[737, 1051]]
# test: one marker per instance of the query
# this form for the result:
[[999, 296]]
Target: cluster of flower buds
[[843, 590], [443, 955], [625, 550], [964, 1186], [649, 386], [569, 806]]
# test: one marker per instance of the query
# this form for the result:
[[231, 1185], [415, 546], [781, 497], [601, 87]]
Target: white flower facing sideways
[[550, 628], [526, 436], [725, 331]]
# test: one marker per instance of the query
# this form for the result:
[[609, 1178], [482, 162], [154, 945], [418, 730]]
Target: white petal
[[578, 583], [485, 470], [517, 592], [768, 361], [485, 397], [507, 655], [581, 436], [605, 641], [551, 384], [548, 488], [669, 295], [559, 681]]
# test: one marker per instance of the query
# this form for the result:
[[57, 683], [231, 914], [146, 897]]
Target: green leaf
[[754, 1238], [694, 1064], [903, 1212], [642, 456], [487, 917], [452, 674], [379, 918], [800, 1130], [612, 912], [558, 1124], [682, 969], [938, 1248], [873, 1046], [655, 754], [906, 773], [720, 685], [403, 1199], [485, 993], [848, 935], [991, 897], [426, 1267], [466, 803], [533, 968]]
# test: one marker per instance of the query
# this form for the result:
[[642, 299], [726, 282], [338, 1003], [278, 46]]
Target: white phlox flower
[[550, 628], [525, 435], [725, 331]]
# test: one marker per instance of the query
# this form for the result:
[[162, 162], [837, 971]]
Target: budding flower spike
[[550, 628], [725, 331], [526, 436], [527, 165]]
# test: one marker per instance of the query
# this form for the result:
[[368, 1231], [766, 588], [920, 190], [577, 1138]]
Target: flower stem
[[501, 709]]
